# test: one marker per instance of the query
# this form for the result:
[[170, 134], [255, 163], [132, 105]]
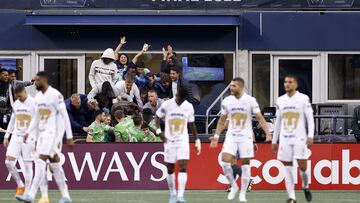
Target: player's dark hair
[[3, 70], [137, 120], [183, 92], [240, 81], [147, 111], [11, 71], [97, 112], [119, 114], [176, 69], [19, 88], [292, 76], [42, 74]]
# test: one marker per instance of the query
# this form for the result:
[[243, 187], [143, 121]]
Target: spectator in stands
[[141, 80], [144, 94], [79, 114], [137, 134], [154, 102], [355, 123], [104, 96], [122, 60], [165, 90], [5, 107], [121, 128], [128, 91], [178, 82], [103, 69], [12, 84], [169, 60], [98, 131]]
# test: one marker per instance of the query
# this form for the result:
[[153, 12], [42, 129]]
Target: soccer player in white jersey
[[293, 114], [23, 109], [49, 120], [238, 108], [178, 113]]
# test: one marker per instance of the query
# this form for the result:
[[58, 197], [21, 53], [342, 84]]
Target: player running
[[293, 114], [178, 113], [49, 120], [23, 109], [238, 108]]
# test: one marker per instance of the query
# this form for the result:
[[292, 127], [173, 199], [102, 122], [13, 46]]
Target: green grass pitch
[[193, 196]]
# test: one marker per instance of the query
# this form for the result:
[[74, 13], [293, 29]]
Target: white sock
[[289, 182], [59, 176], [44, 187], [182, 179], [305, 179], [245, 178], [28, 175], [10, 165], [171, 183], [40, 168], [229, 174]]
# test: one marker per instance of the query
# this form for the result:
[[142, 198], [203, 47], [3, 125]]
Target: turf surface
[[194, 196]]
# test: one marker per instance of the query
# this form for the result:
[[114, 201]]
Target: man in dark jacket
[[355, 123], [169, 60], [178, 82], [5, 108], [79, 114]]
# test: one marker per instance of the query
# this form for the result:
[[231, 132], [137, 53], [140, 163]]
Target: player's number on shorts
[[177, 126], [238, 120], [23, 121], [291, 120], [44, 115]]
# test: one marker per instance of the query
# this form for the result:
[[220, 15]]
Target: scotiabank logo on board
[[140, 166]]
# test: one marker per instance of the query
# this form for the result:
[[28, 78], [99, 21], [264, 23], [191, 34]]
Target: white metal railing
[[219, 98]]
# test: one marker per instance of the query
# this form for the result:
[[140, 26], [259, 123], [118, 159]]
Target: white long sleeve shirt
[[120, 90], [101, 72]]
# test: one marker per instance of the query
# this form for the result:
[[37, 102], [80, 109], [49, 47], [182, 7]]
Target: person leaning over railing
[[355, 123], [79, 113]]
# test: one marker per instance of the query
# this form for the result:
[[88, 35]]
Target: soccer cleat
[[173, 199], [43, 200], [249, 187], [290, 201], [181, 200], [65, 200], [232, 193], [242, 198], [228, 188], [20, 191], [25, 198], [308, 195]]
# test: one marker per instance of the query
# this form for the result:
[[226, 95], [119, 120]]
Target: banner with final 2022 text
[[141, 166]]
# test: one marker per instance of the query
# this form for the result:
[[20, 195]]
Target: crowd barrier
[[140, 166]]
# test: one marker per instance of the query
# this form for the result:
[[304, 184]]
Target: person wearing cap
[[103, 69]]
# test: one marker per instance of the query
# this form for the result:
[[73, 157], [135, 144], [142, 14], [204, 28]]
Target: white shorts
[[243, 149], [291, 152], [174, 153], [48, 144], [22, 150]]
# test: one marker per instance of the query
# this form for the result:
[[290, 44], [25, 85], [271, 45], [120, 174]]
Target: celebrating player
[[49, 120], [293, 114], [178, 113], [238, 108], [23, 109]]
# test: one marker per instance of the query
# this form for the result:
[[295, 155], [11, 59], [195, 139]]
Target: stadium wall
[[140, 166]]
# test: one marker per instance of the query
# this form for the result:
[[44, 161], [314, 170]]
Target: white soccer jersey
[[50, 114], [293, 114], [20, 118], [239, 112], [176, 120]]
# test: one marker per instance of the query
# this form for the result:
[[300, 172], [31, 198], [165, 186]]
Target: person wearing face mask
[[103, 69]]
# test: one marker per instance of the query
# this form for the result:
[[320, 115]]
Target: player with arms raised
[[49, 120], [238, 108], [178, 113], [293, 114]]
